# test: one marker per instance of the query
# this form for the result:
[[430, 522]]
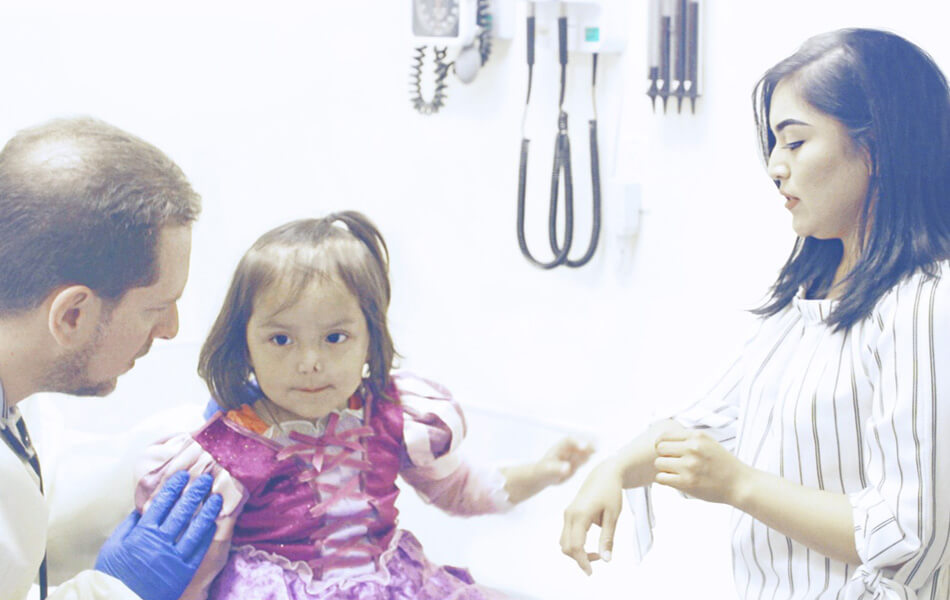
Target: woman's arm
[[599, 500], [697, 465], [819, 519]]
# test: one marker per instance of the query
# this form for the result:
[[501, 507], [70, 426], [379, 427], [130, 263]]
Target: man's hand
[[156, 554]]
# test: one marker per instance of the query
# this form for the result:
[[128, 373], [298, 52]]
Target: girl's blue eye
[[793, 145], [280, 339], [337, 338]]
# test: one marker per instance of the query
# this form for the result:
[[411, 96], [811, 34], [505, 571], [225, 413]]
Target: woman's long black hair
[[894, 101]]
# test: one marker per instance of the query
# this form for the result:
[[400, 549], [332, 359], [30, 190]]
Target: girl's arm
[[433, 429], [183, 452], [697, 465], [556, 466]]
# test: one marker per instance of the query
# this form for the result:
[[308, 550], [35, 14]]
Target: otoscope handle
[[692, 45]]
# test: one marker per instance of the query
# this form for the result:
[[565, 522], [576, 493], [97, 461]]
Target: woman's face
[[822, 174]]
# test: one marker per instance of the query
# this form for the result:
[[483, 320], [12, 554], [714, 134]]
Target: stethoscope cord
[[560, 257], [561, 168], [595, 199], [24, 450]]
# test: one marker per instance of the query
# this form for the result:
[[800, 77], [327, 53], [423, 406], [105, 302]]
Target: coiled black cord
[[483, 20], [415, 81]]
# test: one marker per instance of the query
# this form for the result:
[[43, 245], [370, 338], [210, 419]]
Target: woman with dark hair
[[825, 432]]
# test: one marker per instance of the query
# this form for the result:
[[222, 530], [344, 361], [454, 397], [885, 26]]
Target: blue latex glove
[[211, 409], [156, 554]]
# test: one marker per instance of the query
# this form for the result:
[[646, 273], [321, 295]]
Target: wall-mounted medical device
[[462, 26], [673, 45], [583, 26]]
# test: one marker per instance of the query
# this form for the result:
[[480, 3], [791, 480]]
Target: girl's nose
[[309, 362]]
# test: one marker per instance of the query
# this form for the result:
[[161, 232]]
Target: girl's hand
[[694, 463], [563, 459], [598, 502], [557, 465]]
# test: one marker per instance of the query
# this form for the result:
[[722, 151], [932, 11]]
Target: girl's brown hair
[[345, 246]]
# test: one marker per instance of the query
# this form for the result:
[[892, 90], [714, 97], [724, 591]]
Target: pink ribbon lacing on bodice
[[322, 455]]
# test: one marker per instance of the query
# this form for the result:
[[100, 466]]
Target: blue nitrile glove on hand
[[156, 554]]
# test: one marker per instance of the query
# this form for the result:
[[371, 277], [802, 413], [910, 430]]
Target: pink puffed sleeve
[[182, 453], [433, 429]]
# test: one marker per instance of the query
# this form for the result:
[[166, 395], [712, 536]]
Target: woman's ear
[[74, 315], [867, 153]]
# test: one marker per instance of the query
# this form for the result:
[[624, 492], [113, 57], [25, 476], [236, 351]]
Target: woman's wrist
[[744, 486], [634, 464], [628, 473]]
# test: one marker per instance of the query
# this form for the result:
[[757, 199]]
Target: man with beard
[[95, 239]]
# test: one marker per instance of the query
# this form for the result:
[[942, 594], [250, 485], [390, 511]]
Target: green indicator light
[[592, 34]]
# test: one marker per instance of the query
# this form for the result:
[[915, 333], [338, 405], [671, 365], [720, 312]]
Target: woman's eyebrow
[[778, 128]]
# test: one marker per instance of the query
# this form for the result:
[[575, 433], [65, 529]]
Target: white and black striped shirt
[[864, 413]]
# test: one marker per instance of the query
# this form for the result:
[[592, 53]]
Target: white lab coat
[[89, 484], [23, 527]]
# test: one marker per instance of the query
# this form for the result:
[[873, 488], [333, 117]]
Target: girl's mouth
[[313, 390]]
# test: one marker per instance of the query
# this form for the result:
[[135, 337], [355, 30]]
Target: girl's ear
[[248, 361], [74, 315]]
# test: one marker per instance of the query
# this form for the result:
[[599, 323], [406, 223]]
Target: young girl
[[317, 428], [826, 433]]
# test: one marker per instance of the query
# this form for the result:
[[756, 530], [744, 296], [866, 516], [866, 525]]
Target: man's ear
[[74, 314]]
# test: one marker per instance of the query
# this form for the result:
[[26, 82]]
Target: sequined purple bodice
[[327, 500]]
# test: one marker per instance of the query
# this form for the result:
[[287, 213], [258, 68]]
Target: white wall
[[301, 108]]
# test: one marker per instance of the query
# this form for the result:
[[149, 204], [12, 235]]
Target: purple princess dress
[[309, 507]]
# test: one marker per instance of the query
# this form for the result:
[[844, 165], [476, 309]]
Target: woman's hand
[[694, 463], [598, 502], [556, 466]]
